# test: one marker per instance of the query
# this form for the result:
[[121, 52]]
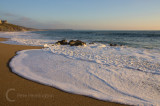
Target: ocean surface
[[137, 39], [128, 74]]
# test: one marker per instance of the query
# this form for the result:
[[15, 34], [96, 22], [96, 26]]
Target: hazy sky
[[83, 14]]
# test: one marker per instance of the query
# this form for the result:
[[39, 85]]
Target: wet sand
[[15, 90]]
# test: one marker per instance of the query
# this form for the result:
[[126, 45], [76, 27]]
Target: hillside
[[11, 28]]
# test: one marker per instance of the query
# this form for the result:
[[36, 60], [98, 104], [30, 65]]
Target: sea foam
[[116, 74], [25, 38]]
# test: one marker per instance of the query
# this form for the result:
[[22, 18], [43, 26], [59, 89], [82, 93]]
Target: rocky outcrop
[[76, 43], [62, 42], [114, 44], [71, 43]]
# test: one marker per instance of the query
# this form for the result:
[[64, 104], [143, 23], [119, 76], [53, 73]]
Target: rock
[[80, 43], [58, 43], [72, 43], [62, 42], [113, 44], [76, 43]]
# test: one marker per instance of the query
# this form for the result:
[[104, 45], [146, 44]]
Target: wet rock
[[71, 43], [62, 42], [113, 44], [58, 43], [76, 43]]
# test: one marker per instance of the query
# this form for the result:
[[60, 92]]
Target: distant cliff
[[11, 28]]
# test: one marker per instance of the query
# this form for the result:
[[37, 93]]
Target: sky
[[83, 14]]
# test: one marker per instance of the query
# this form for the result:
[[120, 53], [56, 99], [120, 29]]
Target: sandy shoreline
[[16, 90]]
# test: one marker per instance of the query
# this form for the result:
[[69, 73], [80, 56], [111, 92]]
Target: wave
[[25, 38], [140, 39], [106, 73], [115, 33]]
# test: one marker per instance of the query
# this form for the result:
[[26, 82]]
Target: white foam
[[115, 74], [25, 38]]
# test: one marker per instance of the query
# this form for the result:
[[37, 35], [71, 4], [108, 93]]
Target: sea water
[[128, 74]]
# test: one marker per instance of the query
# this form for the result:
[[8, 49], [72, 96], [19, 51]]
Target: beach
[[80, 53], [16, 90]]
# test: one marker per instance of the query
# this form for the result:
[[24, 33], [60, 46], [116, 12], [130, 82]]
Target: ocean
[[128, 74], [137, 39]]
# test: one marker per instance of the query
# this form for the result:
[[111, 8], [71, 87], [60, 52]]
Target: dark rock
[[76, 43], [58, 43], [71, 43], [113, 44], [62, 42]]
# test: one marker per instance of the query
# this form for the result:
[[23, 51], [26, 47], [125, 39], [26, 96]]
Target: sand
[[15, 90]]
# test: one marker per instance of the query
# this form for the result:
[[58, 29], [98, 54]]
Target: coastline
[[21, 91]]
